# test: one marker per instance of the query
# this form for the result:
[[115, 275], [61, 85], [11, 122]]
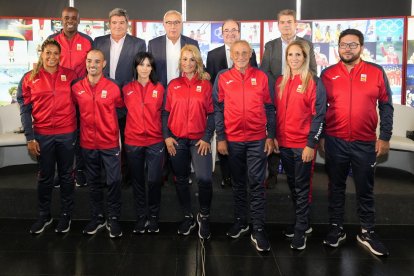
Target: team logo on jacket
[[63, 77], [229, 81], [177, 87], [334, 78], [198, 88], [254, 81], [34, 81], [130, 92], [79, 47], [104, 94], [154, 93], [81, 92], [364, 77]]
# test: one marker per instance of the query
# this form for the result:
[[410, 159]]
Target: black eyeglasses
[[175, 23], [351, 45]]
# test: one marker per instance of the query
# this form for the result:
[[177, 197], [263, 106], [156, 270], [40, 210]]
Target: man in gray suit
[[166, 48], [273, 63], [120, 49]]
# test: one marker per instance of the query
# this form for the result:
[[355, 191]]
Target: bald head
[[95, 63]]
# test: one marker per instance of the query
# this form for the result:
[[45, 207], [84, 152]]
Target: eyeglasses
[[175, 23], [351, 45], [232, 31]]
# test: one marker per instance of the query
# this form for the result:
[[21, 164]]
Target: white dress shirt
[[173, 58], [115, 52]]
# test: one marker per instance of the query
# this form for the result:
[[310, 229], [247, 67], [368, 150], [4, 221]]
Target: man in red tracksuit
[[244, 117], [97, 99], [354, 87], [75, 45]]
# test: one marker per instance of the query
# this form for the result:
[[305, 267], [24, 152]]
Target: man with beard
[[75, 45], [97, 98], [353, 88]]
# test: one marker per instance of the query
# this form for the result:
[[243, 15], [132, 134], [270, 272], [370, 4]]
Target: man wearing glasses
[[245, 126], [217, 60], [273, 63], [166, 49], [354, 87]]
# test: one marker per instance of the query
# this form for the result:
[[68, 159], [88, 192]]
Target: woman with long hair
[[300, 102], [188, 126], [144, 143], [44, 94]]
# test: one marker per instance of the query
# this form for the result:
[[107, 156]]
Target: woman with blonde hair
[[188, 126], [300, 101]]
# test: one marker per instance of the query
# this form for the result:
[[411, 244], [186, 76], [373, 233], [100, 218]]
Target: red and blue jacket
[[47, 98], [243, 106], [97, 112], [299, 115], [74, 51], [188, 111], [352, 99], [144, 105]]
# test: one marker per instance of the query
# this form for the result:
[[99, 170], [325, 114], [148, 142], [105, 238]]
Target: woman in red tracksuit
[[44, 94], [300, 102], [188, 126], [144, 143]]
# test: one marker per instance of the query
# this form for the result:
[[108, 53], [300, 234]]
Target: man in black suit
[[166, 48], [217, 60], [120, 49], [273, 63]]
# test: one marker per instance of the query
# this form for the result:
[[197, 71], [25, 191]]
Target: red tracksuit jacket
[[50, 99], [74, 51], [144, 105], [97, 109], [189, 102]]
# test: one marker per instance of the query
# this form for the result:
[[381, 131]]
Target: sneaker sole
[[243, 230], [96, 229], [43, 228], [110, 234], [199, 234], [65, 230], [299, 248], [154, 231], [291, 235], [335, 245], [369, 247], [189, 230], [257, 246]]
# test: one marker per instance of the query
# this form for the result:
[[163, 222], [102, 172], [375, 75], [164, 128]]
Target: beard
[[350, 60]]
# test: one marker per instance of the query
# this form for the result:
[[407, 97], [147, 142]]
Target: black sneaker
[[203, 227], [186, 225], [372, 242], [63, 224], [140, 225], [94, 225], [260, 240], [114, 228], [226, 182], [56, 182], [40, 225], [335, 235], [298, 241], [153, 225], [237, 229], [80, 179], [290, 231]]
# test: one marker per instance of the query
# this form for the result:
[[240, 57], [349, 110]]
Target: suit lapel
[[106, 49]]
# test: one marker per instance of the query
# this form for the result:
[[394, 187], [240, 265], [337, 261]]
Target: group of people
[[167, 106]]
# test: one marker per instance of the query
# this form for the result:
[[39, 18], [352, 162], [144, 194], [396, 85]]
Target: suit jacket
[[124, 71], [217, 61], [157, 47], [272, 59]]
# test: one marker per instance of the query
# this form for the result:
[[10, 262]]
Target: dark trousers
[[361, 157], [111, 162], [187, 152], [248, 157], [153, 157], [79, 163], [273, 164], [56, 149], [299, 178], [224, 166]]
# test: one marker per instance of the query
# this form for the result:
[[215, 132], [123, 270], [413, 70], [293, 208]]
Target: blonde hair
[[306, 75], [199, 61], [47, 42]]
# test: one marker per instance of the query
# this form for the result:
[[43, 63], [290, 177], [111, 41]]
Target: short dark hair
[[139, 59], [352, 32], [231, 20]]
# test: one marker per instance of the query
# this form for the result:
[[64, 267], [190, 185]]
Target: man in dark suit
[[166, 48], [217, 60], [120, 49], [273, 63]]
